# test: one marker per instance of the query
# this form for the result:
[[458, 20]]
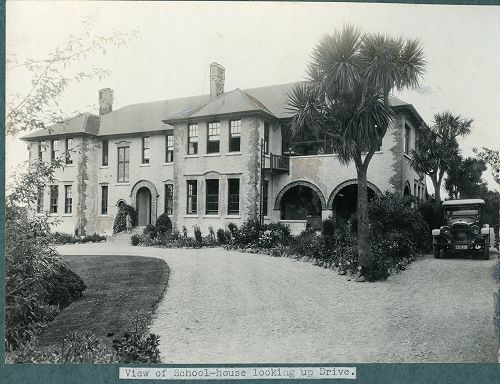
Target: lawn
[[119, 289]]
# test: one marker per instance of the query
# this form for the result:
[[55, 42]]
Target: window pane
[[193, 139], [233, 196], [192, 198], [54, 195], [105, 152], [104, 199], [68, 199], [265, 195], [266, 137], [212, 197], [169, 199]]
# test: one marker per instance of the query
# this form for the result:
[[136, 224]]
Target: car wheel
[[436, 251]]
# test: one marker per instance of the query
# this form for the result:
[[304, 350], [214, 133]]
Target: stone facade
[[145, 187]]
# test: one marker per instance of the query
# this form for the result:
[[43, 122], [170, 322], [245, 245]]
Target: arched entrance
[[143, 206], [144, 196], [300, 203], [343, 200], [407, 190]]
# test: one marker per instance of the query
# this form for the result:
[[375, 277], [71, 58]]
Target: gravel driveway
[[230, 307]]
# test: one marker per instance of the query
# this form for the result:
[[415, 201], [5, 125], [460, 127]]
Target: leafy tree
[[492, 158], [350, 77], [438, 149], [52, 75], [464, 179]]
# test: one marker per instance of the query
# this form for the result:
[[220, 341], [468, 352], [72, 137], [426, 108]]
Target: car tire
[[436, 251]]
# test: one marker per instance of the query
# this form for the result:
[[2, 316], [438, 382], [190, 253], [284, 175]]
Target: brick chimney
[[105, 101], [217, 76]]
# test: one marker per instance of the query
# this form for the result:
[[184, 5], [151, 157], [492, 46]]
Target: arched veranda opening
[[300, 203], [345, 204]]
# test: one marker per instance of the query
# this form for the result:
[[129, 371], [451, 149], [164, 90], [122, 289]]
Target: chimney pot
[[105, 101], [217, 77]]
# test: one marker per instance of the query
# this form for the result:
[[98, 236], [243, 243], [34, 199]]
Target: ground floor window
[[212, 197], [233, 197], [169, 199], [192, 197], [104, 200], [68, 199], [54, 195]]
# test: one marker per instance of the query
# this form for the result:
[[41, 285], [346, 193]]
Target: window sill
[[233, 153], [104, 167], [53, 214], [232, 217], [145, 165], [168, 164], [211, 216], [191, 156], [67, 215], [212, 155], [104, 215], [122, 183], [68, 165], [191, 216]]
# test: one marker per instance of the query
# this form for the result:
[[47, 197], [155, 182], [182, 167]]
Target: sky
[[260, 44]]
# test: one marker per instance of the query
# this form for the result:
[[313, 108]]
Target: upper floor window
[[68, 151], [105, 152], [40, 150], [266, 137], [407, 139], [123, 163], [169, 199], [213, 144], [233, 197], [104, 199], [234, 135], [192, 139], [54, 147], [54, 195], [146, 146], [169, 144], [39, 200], [212, 197], [192, 197], [68, 199]]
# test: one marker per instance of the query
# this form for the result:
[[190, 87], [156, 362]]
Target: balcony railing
[[278, 163]]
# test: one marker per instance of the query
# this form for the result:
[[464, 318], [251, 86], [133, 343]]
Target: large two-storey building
[[210, 160]]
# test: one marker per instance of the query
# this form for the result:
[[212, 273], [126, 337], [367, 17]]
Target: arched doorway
[[143, 206], [300, 203], [345, 202], [407, 190]]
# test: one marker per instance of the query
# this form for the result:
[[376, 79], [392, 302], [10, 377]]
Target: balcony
[[277, 163]]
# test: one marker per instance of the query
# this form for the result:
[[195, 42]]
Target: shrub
[[197, 236], [164, 224], [135, 240], [394, 213], [150, 230], [431, 214], [120, 223], [328, 227], [63, 287], [94, 238], [78, 348], [249, 232], [221, 236], [135, 347]]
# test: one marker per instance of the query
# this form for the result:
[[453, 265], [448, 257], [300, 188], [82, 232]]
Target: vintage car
[[464, 229]]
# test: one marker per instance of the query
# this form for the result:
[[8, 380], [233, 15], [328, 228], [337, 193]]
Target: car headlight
[[475, 230], [445, 231]]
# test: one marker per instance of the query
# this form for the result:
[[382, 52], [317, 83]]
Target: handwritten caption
[[237, 373]]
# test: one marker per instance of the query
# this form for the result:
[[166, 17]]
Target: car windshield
[[461, 211]]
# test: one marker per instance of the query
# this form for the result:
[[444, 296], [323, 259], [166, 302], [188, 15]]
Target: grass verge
[[119, 290]]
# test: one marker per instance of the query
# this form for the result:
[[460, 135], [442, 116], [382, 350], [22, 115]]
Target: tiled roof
[[149, 117], [236, 101], [84, 123]]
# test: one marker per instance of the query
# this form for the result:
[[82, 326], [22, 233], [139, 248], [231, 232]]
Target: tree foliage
[[437, 149], [52, 75], [346, 97], [492, 158], [464, 179]]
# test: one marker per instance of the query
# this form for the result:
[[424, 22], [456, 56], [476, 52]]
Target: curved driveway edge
[[230, 307]]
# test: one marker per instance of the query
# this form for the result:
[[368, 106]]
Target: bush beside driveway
[[229, 307]]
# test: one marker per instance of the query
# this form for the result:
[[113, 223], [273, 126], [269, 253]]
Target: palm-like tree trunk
[[363, 223]]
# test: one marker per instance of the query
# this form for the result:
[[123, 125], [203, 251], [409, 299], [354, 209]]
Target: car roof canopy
[[463, 202]]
